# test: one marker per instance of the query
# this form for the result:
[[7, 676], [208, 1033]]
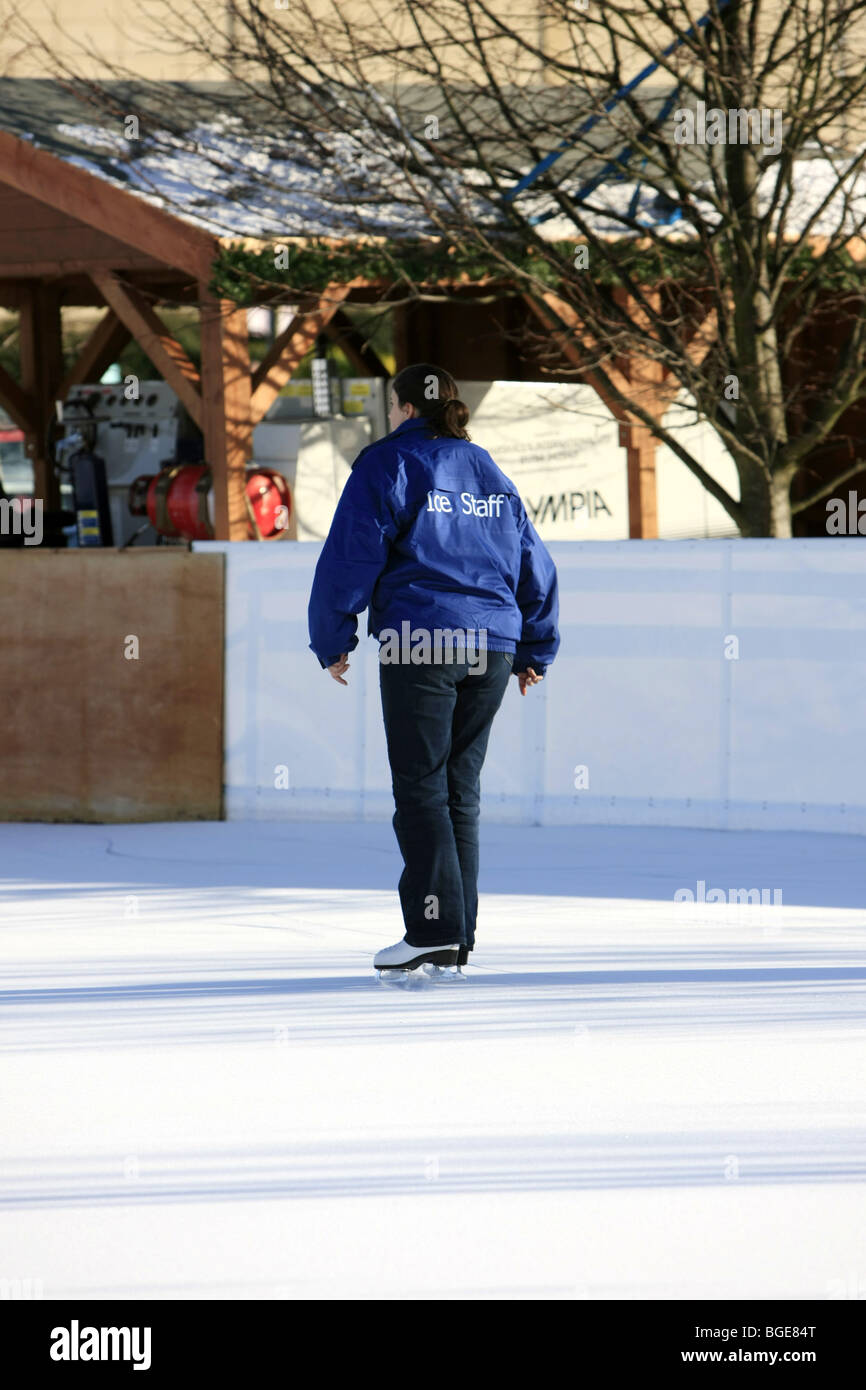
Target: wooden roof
[[61, 222]]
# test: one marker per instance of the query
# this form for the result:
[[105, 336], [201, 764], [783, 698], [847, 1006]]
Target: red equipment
[[179, 502]]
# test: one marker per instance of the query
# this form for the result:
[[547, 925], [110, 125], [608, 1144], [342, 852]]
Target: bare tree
[[679, 195]]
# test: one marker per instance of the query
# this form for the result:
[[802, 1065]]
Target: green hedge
[[244, 276]]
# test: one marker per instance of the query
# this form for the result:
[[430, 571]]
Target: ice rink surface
[[206, 1092]]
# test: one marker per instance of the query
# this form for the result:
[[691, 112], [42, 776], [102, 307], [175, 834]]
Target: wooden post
[[401, 337], [645, 380], [640, 446], [225, 403], [41, 372]]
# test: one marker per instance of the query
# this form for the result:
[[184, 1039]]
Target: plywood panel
[[86, 733]]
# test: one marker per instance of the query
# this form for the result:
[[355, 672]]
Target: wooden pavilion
[[70, 237]]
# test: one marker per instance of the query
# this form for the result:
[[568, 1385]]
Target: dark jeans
[[437, 724]]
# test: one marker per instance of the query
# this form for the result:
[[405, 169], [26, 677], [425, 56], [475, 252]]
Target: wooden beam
[[18, 404], [362, 356], [704, 338], [41, 348], [561, 313], [291, 346], [58, 269], [106, 341], [151, 334], [12, 292], [226, 415], [78, 290], [98, 203]]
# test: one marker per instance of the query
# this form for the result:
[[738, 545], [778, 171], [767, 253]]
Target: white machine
[[138, 429], [135, 433]]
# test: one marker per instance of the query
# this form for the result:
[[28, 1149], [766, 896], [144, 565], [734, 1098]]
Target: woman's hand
[[527, 677], [339, 667]]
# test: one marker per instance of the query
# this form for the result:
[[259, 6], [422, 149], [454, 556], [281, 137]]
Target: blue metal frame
[[545, 164], [613, 170]]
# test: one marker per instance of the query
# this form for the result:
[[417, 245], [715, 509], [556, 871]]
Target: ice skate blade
[[444, 974], [420, 978], [393, 978]]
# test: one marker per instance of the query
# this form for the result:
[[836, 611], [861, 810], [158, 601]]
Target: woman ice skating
[[433, 539]]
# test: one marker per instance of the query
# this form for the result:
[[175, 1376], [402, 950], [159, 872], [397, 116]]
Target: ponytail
[[433, 393]]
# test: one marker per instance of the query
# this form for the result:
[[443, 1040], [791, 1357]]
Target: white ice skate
[[405, 964]]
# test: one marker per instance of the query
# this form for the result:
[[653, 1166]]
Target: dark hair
[[433, 392]]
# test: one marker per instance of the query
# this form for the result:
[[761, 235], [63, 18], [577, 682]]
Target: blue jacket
[[428, 530]]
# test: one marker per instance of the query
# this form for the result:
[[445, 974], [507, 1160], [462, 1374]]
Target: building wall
[[101, 35], [104, 34]]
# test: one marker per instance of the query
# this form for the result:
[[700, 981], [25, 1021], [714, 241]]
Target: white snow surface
[[206, 1093]]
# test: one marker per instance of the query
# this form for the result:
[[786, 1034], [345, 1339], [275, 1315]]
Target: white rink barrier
[[710, 683]]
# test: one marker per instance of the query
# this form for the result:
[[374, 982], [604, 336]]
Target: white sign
[[559, 445]]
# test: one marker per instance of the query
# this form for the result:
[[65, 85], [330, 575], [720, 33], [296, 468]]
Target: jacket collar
[[415, 423]]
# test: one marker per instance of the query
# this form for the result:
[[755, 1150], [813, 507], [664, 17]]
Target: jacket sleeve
[[537, 597], [352, 559]]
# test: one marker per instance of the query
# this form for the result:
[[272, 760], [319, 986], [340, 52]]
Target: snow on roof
[[232, 185], [814, 179], [227, 182]]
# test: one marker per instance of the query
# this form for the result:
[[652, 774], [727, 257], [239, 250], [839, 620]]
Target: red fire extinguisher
[[269, 504], [179, 502]]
